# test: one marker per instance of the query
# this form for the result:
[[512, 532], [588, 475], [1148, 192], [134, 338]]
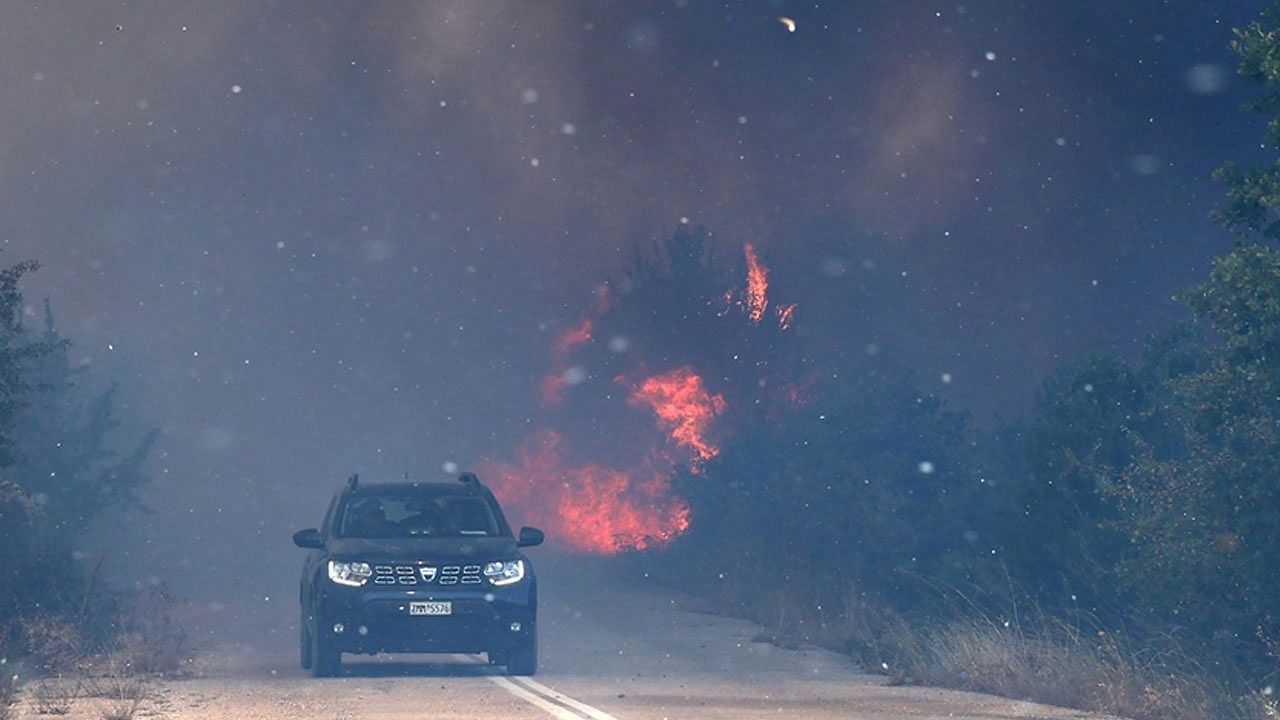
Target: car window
[[398, 516]]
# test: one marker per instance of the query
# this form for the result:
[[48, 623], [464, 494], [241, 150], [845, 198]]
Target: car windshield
[[403, 516]]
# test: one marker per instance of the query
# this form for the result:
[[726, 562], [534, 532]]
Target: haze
[[312, 239]]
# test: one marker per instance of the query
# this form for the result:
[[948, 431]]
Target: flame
[[786, 315], [572, 338], [595, 508], [551, 388], [684, 406], [755, 302], [589, 507], [727, 302], [757, 285], [566, 342]]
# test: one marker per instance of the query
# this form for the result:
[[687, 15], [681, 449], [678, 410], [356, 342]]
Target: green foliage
[[1080, 438], [1202, 521], [1254, 193], [871, 489], [60, 467], [67, 435], [1200, 516], [16, 349], [1160, 483], [1241, 301]]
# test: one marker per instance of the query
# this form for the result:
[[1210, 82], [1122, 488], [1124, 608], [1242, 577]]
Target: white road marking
[[565, 699], [537, 701], [543, 697]]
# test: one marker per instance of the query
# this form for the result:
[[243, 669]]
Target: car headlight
[[504, 573], [351, 574]]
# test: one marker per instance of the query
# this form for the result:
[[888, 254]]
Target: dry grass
[[153, 640], [56, 644], [1069, 664], [121, 681], [8, 692], [1056, 663], [124, 691], [54, 695], [8, 678]]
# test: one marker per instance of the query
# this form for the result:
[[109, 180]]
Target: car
[[417, 567]]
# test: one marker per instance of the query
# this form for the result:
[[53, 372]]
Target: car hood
[[480, 548]]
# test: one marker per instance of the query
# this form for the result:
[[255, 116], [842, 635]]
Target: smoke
[[313, 240]]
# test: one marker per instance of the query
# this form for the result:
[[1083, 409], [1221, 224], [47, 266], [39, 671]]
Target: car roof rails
[[353, 482], [469, 478]]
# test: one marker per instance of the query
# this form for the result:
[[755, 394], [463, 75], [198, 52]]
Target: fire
[[588, 507], [565, 343], [757, 285], [684, 406], [595, 508], [551, 387], [572, 339], [786, 314]]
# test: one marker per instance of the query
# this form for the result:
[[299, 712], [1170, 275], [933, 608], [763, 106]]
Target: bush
[[152, 641], [873, 487]]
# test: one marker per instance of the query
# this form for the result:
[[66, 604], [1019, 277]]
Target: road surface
[[611, 649]]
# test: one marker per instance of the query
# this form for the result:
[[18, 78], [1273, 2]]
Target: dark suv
[[411, 567]]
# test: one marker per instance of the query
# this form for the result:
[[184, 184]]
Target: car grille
[[445, 575]]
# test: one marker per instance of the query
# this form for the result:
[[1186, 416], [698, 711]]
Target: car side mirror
[[530, 537], [309, 539]]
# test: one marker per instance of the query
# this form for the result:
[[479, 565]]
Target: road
[[612, 649]]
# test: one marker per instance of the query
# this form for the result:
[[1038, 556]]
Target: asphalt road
[[610, 650]]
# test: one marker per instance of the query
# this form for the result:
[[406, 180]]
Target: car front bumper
[[367, 621]]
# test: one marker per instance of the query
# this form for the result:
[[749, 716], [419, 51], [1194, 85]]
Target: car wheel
[[304, 644], [497, 657], [326, 660], [523, 657]]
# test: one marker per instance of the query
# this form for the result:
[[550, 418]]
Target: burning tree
[[669, 359], [691, 334]]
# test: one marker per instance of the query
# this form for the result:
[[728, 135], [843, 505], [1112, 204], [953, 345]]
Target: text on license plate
[[431, 608]]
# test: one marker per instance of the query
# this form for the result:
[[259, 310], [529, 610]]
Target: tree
[[1253, 193], [16, 349], [680, 305], [1201, 518], [60, 462], [69, 455], [868, 490]]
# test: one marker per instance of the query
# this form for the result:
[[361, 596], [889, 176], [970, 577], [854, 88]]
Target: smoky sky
[[317, 237]]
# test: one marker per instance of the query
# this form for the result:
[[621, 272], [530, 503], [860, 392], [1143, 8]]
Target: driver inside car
[[367, 518]]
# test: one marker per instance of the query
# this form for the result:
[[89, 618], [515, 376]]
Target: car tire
[[522, 659], [326, 660], [497, 657], [304, 644]]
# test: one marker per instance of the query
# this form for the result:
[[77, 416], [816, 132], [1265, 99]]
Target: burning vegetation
[[663, 314], [757, 285], [684, 408], [588, 506]]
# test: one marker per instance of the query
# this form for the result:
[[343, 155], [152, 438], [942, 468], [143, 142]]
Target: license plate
[[431, 608]]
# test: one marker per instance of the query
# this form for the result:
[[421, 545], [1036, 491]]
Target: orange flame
[[590, 507], [551, 387], [684, 407], [566, 342], [757, 285], [572, 338], [786, 315]]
